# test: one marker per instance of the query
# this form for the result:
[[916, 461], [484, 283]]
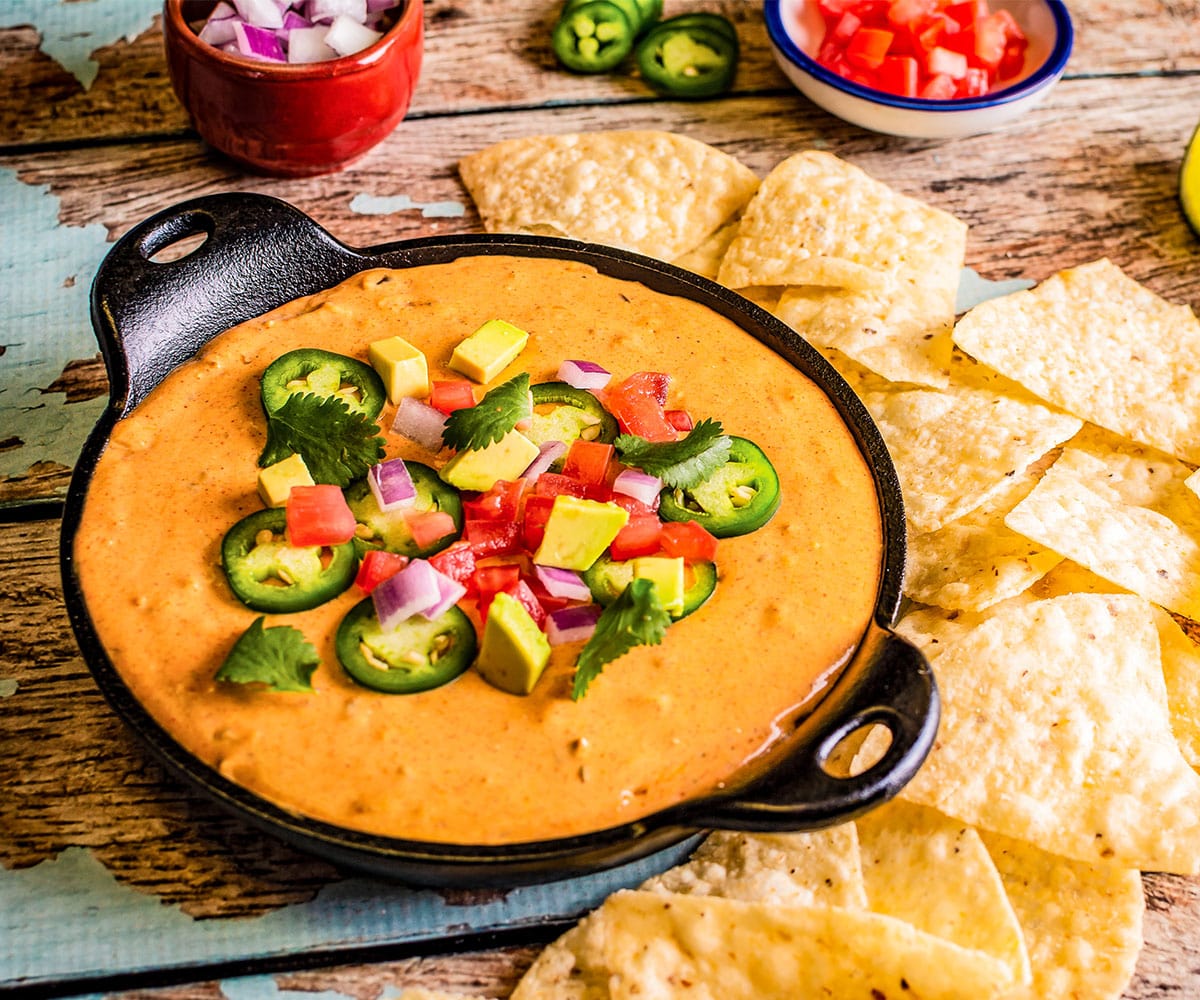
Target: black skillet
[[258, 253]]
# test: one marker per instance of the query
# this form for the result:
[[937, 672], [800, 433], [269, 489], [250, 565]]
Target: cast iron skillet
[[260, 253]]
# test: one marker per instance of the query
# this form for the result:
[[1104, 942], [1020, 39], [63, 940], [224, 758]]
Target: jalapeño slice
[[269, 574], [593, 37], [606, 579], [389, 529], [310, 369], [738, 498], [689, 56], [563, 413], [417, 655]]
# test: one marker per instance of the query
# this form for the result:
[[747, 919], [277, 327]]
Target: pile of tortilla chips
[[1046, 444]]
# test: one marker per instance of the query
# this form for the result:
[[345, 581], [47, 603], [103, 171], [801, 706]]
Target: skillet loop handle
[[255, 253], [889, 683]]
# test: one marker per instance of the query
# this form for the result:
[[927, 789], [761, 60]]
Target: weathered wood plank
[[493, 54]]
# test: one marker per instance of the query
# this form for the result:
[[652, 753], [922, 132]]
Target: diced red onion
[[639, 485], [410, 592], [583, 375], [420, 423], [562, 583], [574, 624], [451, 592], [219, 31], [327, 10], [391, 484], [347, 36], [307, 45], [378, 6], [549, 452], [260, 13], [258, 43], [291, 22]]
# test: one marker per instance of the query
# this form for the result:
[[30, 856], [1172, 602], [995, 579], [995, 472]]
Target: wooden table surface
[[1090, 173]]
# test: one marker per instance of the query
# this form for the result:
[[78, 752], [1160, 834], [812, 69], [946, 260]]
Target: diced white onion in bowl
[[347, 36]]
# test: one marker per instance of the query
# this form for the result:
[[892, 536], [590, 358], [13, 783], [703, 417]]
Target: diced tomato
[[492, 538], [491, 580], [319, 515], [456, 562], [500, 503], [451, 395], [530, 602], [938, 88], [533, 524], [945, 62], [633, 504], [906, 13], [868, 47], [831, 10], [966, 14], [681, 420], [638, 537], [428, 526], [376, 566], [990, 39], [1013, 61], [898, 75], [589, 461], [635, 403], [844, 29], [690, 540], [973, 84], [547, 600], [553, 484]]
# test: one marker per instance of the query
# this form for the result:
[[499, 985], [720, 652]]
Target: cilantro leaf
[[501, 409], [636, 618], [679, 464], [279, 657], [337, 445]]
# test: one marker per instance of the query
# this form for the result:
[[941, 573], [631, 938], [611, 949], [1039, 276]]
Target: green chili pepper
[[563, 413], [691, 56], [738, 498], [309, 369], [269, 574], [593, 37], [417, 655], [606, 579], [389, 530]]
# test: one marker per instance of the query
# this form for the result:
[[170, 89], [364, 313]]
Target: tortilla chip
[[1055, 729], [903, 334], [1098, 344], [957, 448], [656, 193], [1181, 673], [818, 220], [1082, 923], [1124, 512], [644, 945], [934, 873], [975, 561], [821, 867], [706, 258]]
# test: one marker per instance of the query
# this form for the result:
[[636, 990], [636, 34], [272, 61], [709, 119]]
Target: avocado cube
[[489, 350], [275, 482], [668, 578], [578, 531], [514, 651], [480, 469], [401, 366]]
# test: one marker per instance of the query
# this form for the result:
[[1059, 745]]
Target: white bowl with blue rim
[[796, 27]]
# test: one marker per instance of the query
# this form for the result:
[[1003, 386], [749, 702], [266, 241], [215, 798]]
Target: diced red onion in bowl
[[549, 452], [574, 624], [563, 583], [391, 485], [420, 423], [583, 375], [639, 485], [305, 31]]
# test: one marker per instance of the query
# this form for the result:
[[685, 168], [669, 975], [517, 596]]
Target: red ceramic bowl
[[293, 120]]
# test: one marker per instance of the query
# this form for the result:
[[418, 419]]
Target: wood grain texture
[[1092, 172]]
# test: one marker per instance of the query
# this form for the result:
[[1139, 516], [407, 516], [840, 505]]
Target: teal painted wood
[[68, 920]]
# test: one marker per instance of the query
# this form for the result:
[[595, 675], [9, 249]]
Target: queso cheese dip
[[466, 762]]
